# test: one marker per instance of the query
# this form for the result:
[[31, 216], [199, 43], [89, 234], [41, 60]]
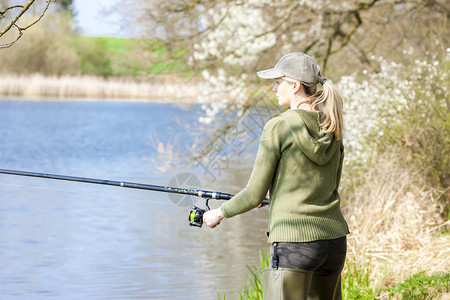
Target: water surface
[[67, 240]]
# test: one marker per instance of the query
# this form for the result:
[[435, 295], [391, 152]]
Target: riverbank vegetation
[[89, 68], [54, 61], [38, 86]]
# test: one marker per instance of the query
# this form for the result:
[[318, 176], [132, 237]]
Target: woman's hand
[[213, 217]]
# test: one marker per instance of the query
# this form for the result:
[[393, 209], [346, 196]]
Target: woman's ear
[[296, 86]]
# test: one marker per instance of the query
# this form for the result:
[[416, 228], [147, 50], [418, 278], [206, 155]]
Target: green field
[[108, 56]]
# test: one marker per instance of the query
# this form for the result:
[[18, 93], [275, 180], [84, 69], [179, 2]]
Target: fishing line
[[80, 193]]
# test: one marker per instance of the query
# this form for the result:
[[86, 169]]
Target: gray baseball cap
[[296, 65]]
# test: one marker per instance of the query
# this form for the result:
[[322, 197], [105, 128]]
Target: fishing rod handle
[[214, 195], [222, 196]]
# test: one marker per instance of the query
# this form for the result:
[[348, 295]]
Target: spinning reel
[[196, 215]]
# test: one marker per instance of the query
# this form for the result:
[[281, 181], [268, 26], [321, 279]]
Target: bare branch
[[41, 15], [7, 45], [2, 13], [337, 32], [14, 22]]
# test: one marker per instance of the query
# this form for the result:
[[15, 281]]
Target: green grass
[[109, 45], [254, 285], [356, 284], [111, 56], [253, 290], [422, 287]]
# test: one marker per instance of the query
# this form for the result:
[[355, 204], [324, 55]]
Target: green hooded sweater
[[302, 168]]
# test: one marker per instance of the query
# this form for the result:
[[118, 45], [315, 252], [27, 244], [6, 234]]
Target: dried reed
[[396, 225], [86, 86]]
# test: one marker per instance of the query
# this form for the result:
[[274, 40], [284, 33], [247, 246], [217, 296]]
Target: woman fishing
[[299, 161]]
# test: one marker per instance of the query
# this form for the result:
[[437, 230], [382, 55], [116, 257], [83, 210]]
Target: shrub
[[404, 106], [422, 287], [45, 50], [94, 56]]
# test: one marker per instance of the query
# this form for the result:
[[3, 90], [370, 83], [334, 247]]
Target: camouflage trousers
[[325, 257], [304, 271]]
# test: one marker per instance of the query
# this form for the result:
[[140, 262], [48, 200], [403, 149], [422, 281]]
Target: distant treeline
[[54, 48]]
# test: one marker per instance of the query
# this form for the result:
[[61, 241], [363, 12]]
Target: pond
[[69, 240]]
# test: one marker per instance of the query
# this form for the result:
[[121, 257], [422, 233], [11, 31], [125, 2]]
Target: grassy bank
[[96, 87], [399, 224]]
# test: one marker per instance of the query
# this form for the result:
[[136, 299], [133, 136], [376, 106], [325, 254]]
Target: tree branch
[[13, 23], [2, 13], [353, 14]]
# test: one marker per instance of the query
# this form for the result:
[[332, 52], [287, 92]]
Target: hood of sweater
[[305, 128]]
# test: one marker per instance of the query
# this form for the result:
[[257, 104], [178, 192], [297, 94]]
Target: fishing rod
[[195, 215]]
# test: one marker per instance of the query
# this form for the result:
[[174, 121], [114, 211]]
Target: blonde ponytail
[[331, 101], [327, 99]]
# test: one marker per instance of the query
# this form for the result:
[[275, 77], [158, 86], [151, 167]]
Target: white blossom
[[239, 36], [370, 105]]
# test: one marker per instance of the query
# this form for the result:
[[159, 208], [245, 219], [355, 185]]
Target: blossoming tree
[[386, 54]]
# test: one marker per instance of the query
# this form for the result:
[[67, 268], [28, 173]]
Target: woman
[[299, 161]]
